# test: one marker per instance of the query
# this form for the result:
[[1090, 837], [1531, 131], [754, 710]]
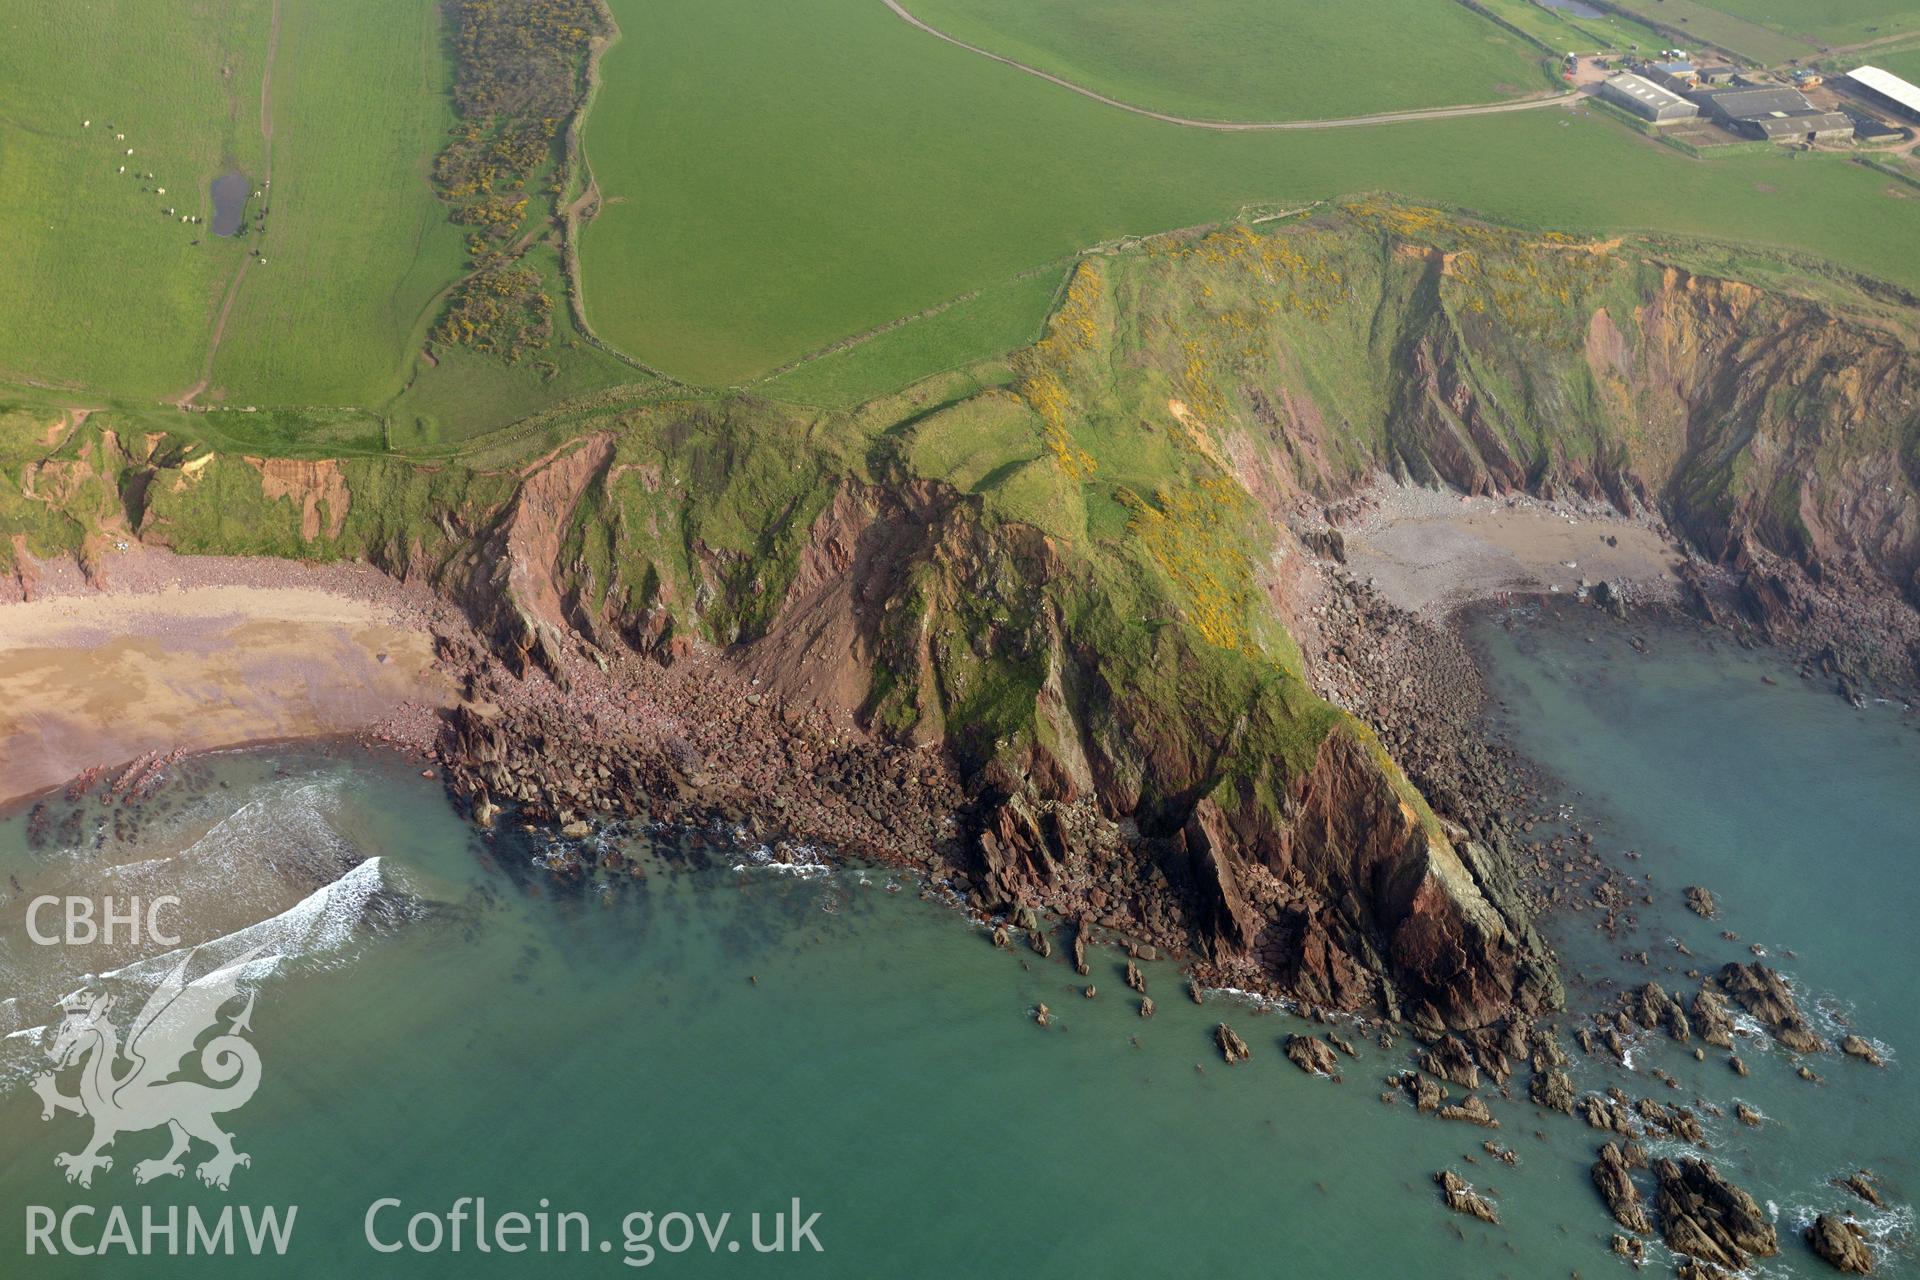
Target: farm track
[[266, 177], [1240, 126]]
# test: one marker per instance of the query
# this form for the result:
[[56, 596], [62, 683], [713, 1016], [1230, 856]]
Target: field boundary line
[[574, 149], [266, 176], [1239, 126]]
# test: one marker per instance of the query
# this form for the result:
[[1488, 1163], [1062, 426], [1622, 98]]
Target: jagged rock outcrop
[[1231, 1046], [1553, 1089], [1840, 1244], [1861, 1184], [1653, 1008], [1764, 994], [1463, 1199], [1615, 1185], [1313, 1056], [1452, 1061], [1710, 1017], [1707, 1218], [1603, 1112], [1427, 1095], [1472, 1110], [1857, 1046]]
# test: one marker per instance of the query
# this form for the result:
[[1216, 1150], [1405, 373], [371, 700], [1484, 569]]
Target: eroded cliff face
[[1073, 590], [1149, 784], [1778, 435]]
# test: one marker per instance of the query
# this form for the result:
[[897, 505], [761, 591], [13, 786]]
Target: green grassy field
[[996, 319], [1711, 21], [837, 169], [1251, 60], [1904, 63], [1563, 31], [357, 246], [831, 173], [1829, 22], [100, 289], [110, 298]]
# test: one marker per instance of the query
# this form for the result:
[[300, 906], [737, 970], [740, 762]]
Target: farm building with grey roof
[[1774, 114], [1646, 99]]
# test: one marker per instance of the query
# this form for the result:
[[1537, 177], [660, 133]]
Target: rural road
[[1242, 126]]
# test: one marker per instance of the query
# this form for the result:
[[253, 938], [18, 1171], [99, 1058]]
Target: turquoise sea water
[[723, 1036]]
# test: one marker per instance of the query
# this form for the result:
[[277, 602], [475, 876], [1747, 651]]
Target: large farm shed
[[1888, 89], [1646, 99], [1776, 115]]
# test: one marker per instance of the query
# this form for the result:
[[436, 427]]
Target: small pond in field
[[230, 191]]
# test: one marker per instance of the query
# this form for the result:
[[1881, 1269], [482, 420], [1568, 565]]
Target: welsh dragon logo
[[142, 1093]]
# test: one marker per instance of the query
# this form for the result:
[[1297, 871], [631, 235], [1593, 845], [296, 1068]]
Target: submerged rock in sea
[[1861, 1184], [1232, 1047], [1612, 1181], [1675, 1122], [1135, 979], [1461, 1198], [1747, 1115], [1552, 1088], [1841, 1243], [1471, 1110], [1700, 902], [1146, 1006], [1708, 1218], [1313, 1056]]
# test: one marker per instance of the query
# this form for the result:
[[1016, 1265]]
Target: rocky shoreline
[[695, 741]]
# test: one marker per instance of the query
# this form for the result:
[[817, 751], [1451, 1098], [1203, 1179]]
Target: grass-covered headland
[[1060, 567]]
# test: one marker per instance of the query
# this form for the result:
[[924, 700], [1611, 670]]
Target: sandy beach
[[202, 652]]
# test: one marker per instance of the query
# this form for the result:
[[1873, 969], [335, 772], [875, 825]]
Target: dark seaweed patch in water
[[230, 192]]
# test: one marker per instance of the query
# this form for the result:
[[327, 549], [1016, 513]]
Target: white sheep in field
[[86, 124], [123, 168], [161, 191], [129, 150]]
